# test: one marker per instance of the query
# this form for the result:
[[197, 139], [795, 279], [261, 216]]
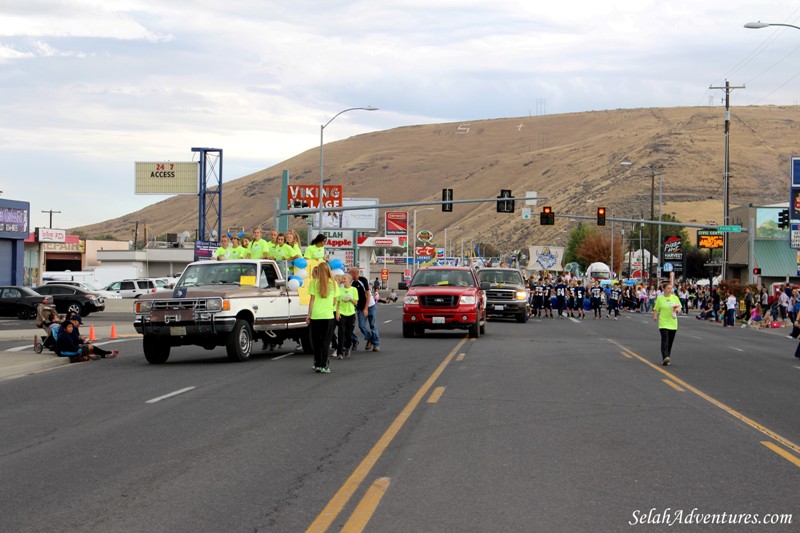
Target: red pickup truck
[[445, 298]]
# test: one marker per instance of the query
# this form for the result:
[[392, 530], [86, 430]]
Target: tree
[[576, 238], [596, 247]]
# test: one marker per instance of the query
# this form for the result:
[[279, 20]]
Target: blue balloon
[[300, 262], [336, 263], [297, 278]]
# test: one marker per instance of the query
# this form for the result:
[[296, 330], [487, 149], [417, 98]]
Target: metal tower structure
[[209, 227]]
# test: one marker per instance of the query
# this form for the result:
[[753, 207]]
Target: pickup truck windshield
[[508, 277], [433, 278], [222, 273]]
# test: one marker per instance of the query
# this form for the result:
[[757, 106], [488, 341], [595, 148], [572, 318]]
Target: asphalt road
[[552, 425]]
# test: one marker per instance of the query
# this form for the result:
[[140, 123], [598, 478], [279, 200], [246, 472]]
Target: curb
[[23, 369]]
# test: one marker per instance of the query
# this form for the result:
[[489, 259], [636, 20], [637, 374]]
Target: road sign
[[729, 229], [526, 213]]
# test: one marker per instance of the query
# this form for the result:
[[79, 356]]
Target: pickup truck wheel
[[483, 326], [408, 330], [305, 341], [155, 351], [522, 317], [474, 329], [240, 341]]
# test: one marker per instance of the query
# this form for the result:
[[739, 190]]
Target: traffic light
[[505, 206], [601, 216], [447, 196], [783, 219], [756, 271], [547, 217]]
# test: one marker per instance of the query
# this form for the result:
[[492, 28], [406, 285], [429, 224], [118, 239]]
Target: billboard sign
[[167, 177], [331, 195], [365, 219], [396, 223], [673, 252], [14, 219]]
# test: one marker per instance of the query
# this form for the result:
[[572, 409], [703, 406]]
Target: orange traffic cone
[[113, 331], [91, 333]]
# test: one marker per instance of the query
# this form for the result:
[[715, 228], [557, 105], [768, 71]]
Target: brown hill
[[572, 159]]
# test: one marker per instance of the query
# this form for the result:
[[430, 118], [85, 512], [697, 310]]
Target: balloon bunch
[[337, 268], [300, 273]]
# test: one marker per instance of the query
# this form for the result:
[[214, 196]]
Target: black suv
[[69, 298], [507, 294]]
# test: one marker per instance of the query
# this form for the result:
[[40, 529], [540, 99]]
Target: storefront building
[[14, 227]]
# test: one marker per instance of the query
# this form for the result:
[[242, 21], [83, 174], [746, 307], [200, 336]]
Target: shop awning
[[775, 258]]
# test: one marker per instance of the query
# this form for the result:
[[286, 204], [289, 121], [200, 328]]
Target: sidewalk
[[24, 361]]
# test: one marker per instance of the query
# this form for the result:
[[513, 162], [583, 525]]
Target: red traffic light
[[757, 271]]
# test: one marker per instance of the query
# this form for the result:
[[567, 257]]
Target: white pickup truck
[[222, 303]]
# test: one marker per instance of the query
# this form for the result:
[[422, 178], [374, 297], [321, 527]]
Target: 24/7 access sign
[[167, 177]]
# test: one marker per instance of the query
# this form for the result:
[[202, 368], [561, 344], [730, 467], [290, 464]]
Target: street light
[[414, 238], [653, 168], [758, 25], [322, 153]]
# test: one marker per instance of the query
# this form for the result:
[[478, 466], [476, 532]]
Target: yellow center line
[[345, 492], [436, 394], [366, 507], [626, 354], [733, 412], [783, 453], [461, 357], [673, 385]]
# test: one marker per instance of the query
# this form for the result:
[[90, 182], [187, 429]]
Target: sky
[[89, 87]]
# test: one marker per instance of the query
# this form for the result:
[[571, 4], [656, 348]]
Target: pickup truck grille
[[182, 304], [495, 294], [439, 300]]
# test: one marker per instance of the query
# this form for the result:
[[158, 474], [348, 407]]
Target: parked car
[[21, 301], [132, 288], [68, 298], [87, 287], [507, 295], [444, 298]]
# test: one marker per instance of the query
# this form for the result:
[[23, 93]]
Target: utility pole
[[726, 173], [51, 216]]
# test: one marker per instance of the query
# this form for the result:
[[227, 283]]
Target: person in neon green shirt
[[316, 250], [348, 297], [224, 251], [237, 250], [281, 251], [271, 243], [258, 246], [293, 241], [666, 311], [322, 314]]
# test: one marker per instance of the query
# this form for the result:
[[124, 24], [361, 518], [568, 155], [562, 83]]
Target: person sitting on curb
[[67, 347], [81, 341]]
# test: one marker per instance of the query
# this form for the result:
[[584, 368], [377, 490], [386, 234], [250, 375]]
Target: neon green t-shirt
[[323, 308], [295, 250], [239, 252], [664, 306], [258, 249], [281, 252], [223, 252], [315, 252], [348, 308]]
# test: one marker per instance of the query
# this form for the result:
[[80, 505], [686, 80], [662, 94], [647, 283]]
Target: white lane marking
[[20, 348], [170, 395], [735, 348], [575, 320], [797, 367], [696, 337], [282, 356], [386, 321]]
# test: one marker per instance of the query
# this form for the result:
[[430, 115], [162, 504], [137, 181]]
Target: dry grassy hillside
[[572, 159]]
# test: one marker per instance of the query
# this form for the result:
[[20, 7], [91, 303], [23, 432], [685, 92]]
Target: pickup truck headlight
[[467, 300], [143, 307], [411, 300], [214, 304], [521, 295]]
